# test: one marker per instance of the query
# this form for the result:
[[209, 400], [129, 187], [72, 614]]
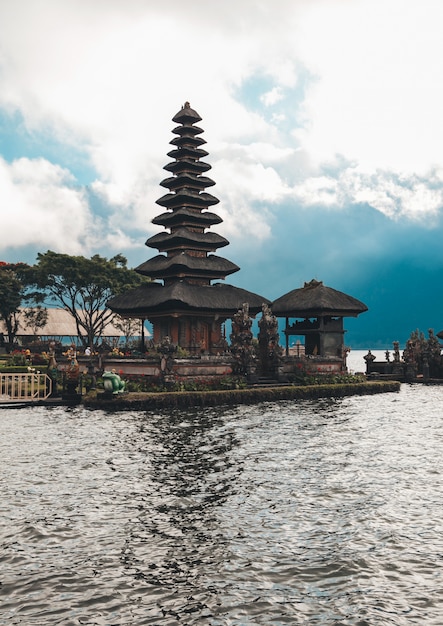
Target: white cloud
[[107, 77], [272, 97], [245, 206], [319, 190], [406, 196], [42, 207], [376, 96], [412, 198], [126, 70]]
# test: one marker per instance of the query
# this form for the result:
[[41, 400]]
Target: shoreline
[[184, 399]]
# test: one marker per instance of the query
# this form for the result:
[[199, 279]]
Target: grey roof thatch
[[440, 334], [187, 151], [187, 165], [187, 217], [186, 237], [187, 197], [192, 140], [315, 299], [186, 115], [182, 297], [187, 180], [161, 266]]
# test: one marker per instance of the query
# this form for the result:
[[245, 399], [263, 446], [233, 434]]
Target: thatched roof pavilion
[[184, 298], [60, 325], [322, 310], [187, 307]]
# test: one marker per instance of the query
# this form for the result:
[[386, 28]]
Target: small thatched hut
[[318, 313]]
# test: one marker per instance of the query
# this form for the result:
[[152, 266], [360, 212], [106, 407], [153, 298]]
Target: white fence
[[29, 386]]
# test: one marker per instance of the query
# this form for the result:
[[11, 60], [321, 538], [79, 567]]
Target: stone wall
[[198, 367]]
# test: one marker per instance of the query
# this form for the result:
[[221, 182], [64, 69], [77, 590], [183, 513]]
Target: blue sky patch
[[16, 141]]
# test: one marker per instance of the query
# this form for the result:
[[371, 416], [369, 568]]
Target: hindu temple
[[181, 301], [317, 312]]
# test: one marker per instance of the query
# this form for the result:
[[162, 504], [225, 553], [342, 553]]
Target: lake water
[[319, 512]]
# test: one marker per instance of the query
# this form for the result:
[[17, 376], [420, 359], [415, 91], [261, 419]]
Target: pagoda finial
[[312, 284], [186, 105]]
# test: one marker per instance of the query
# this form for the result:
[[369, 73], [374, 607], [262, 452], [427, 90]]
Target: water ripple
[[325, 512]]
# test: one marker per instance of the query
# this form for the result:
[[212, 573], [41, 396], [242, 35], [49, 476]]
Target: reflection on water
[[176, 537], [325, 512]]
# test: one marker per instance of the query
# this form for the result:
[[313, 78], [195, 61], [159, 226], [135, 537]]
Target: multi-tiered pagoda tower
[[187, 307]]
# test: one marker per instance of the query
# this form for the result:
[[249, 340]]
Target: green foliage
[[14, 369], [83, 286], [36, 317], [127, 326], [181, 353], [233, 382], [12, 292], [304, 377], [150, 384], [19, 359]]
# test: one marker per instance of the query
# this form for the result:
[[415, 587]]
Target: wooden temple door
[[204, 337]]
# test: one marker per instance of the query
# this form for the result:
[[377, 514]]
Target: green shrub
[[150, 384], [181, 353], [16, 369], [18, 359], [303, 377]]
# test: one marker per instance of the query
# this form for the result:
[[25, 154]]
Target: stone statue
[[268, 339], [369, 358], [52, 370], [241, 341], [72, 372], [112, 383]]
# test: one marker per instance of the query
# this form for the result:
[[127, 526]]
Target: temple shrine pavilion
[[318, 313], [187, 307]]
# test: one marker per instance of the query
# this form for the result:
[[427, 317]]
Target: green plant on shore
[[303, 377], [145, 384], [181, 353], [19, 358]]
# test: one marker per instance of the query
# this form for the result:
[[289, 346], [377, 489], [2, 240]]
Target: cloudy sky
[[324, 127]]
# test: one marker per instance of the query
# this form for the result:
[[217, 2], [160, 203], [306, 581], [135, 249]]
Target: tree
[[83, 286], [127, 326], [35, 318], [13, 287]]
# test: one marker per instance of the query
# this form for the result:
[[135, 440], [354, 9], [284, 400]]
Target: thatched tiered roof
[[187, 202], [188, 265], [186, 298]]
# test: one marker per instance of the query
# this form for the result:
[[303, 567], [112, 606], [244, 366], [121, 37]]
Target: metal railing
[[30, 386]]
